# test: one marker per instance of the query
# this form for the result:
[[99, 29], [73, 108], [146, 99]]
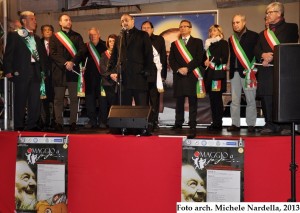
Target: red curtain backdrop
[[142, 174]]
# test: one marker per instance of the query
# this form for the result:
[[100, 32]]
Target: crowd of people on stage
[[130, 68]]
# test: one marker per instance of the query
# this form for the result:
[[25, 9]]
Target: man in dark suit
[[47, 111], [23, 64], [184, 79], [159, 75], [285, 33], [92, 77], [136, 61], [67, 51], [242, 41]]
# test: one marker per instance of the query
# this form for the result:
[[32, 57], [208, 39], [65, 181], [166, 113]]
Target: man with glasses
[[278, 32], [186, 73]]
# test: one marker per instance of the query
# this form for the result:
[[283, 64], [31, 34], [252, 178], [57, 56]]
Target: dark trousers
[[154, 103], [179, 117], [139, 96], [267, 108], [106, 102], [59, 102], [217, 108], [27, 93], [47, 109]]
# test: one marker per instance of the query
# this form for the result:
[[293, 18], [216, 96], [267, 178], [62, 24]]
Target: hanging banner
[[212, 170], [41, 171]]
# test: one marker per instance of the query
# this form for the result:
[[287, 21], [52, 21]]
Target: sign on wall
[[212, 170], [41, 174]]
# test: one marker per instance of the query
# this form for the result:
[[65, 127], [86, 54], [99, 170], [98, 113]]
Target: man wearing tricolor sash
[[67, 51], [242, 73], [185, 60], [92, 77], [278, 32], [160, 72], [23, 63]]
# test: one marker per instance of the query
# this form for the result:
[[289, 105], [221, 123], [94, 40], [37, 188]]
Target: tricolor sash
[[107, 54], [94, 53], [186, 55], [212, 65], [96, 57], [68, 44], [250, 70], [271, 38], [156, 60], [215, 84]]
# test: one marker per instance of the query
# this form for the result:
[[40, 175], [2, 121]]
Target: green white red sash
[[94, 53], [271, 38], [250, 70], [68, 44], [107, 54], [186, 55], [215, 84], [212, 65]]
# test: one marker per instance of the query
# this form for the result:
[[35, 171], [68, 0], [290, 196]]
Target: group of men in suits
[[137, 58]]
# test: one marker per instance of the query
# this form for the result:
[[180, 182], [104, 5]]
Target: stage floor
[[166, 130]]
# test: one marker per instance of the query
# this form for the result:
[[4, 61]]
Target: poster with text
[[212, 170], [41, 175]]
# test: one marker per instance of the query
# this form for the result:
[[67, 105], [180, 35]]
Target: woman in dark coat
[[215, 59]]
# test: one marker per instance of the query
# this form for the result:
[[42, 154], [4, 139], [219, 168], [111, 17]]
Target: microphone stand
[[119, 68], [293, 165], [119, 72]]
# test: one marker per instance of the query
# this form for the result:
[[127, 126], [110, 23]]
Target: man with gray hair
[[242, 74], [278, 32], [23, 63]]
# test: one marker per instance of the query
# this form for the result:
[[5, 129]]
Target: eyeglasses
[[272, 11], [184, 26]]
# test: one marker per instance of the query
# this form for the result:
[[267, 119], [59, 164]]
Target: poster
[[41, 175], [212, 170], [166, 25]]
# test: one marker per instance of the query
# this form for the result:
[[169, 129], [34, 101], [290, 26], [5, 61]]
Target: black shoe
[[19, 129], [73, 127], [266, 131], [214, 128], [286, 132], [102, 126], [58, 128], [90, 126], [233, 128], [176, 127], [145, 132], [251, 129], [34, 129]]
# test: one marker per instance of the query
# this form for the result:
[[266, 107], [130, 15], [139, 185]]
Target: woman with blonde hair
[[215, 60]]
